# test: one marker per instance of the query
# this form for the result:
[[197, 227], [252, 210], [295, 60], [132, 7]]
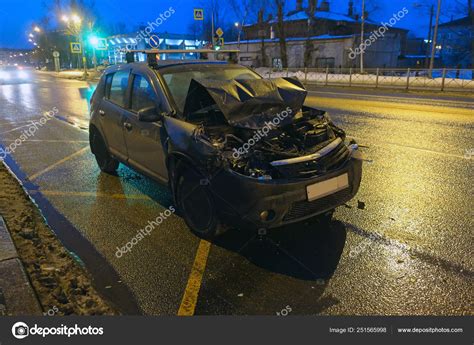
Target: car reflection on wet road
[[402, 246]]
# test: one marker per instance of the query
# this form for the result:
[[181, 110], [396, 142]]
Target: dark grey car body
[[242, 193]]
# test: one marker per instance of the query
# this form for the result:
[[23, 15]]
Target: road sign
[[76, 48], [101, 44], [154, 41], [56, 61], [219, 32], [221, 41], [198, 14]]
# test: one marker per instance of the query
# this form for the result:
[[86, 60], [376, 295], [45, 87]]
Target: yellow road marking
[[92, 194], [454, 102], [52, 166], [378, 107], [189, 301]]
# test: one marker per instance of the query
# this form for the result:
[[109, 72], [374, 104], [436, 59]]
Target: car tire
[[196, 204], [326, 217], [104, 160]]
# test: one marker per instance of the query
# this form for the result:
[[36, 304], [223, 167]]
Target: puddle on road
[[105, 279]]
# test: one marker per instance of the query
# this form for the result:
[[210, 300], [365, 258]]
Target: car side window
[[118, 88], [143, 95]]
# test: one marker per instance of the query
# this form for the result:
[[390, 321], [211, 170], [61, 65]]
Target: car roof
[[163, 63]]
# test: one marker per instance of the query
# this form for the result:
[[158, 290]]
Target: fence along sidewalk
[[409, 79]]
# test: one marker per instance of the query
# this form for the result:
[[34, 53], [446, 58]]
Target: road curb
[[80, 78], [17, 296]]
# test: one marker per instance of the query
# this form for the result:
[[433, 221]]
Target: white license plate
[[324, 188]]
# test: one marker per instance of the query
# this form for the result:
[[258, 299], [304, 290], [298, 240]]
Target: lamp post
[[362, 24], [74, 25], [433, 44], [239, 31], [94, 41]]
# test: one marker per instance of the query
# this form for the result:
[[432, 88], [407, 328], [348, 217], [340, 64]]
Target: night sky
[[17, 17]]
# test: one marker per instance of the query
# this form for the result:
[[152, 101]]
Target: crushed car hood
[[246, 103]]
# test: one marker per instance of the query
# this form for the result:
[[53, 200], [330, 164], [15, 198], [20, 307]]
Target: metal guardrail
[[443, 79]]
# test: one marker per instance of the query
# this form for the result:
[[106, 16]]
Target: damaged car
[[235, 149]]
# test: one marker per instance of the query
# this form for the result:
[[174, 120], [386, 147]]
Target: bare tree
[[462, 7], [248, 11], [242, 10], [308, 47], [280, 5]]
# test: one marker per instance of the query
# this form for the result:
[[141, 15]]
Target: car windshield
[[178, 78]]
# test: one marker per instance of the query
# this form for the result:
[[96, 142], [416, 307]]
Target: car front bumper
[[240, 200]]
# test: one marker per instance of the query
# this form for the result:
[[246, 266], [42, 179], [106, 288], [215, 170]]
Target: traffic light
[[93, 40], [218, 42]]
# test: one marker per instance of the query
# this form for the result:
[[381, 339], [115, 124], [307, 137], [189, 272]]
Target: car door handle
[[128, 126], [101, 112]]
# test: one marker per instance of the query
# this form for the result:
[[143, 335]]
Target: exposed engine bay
[[295, 141]]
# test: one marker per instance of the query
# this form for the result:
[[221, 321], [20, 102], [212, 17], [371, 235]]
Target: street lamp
[[31, 35], [37, 29], [74, 25], [76, 19], [94, 41], [239, 32], [435, 36]]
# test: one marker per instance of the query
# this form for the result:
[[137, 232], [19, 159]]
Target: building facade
[[330, 37], [456, 40], [119, 44]]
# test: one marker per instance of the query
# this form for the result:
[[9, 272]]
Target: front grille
[[332, 161], [300, 209]]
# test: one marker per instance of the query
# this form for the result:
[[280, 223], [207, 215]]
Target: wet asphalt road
[[402, 246]]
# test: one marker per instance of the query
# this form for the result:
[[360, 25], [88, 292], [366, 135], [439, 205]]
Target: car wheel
[[196, 205], [104, 160]]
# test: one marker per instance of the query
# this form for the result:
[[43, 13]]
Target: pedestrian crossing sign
[[101, 44], [198, 14], [76, 48]]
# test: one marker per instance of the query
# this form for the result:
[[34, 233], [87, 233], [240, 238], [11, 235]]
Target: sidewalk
[[37, 273], [17, 296], [93, 75]]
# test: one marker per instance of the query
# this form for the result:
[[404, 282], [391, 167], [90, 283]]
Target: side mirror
[[149, 114]]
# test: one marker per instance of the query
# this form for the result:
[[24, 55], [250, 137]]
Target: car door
[[144, 139], [111, 112]]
